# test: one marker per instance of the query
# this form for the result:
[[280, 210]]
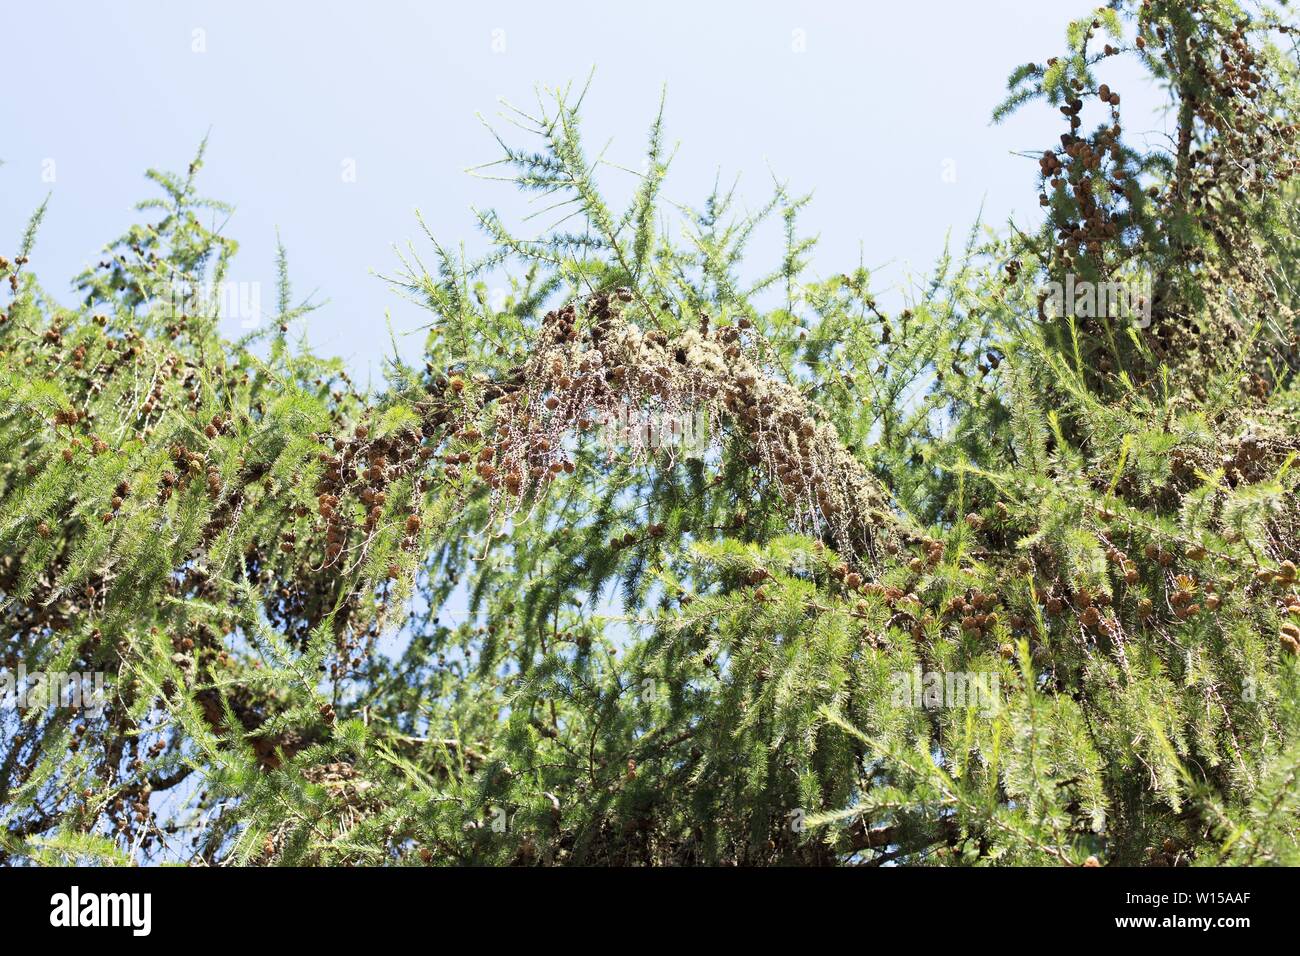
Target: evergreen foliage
[[690, 657]]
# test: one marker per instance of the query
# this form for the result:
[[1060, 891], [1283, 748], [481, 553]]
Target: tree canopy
[[1003, 576]]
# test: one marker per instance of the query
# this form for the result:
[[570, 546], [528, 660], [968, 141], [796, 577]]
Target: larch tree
[[759, 571]]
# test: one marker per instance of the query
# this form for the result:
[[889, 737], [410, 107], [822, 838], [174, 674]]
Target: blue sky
[[866, 105]]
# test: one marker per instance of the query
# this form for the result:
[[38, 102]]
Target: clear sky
[[881, 109]]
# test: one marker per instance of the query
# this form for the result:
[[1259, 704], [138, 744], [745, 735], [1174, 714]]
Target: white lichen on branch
[[590, 365]]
